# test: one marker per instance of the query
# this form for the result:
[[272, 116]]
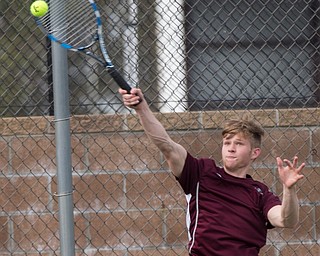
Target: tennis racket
[[76, 25]]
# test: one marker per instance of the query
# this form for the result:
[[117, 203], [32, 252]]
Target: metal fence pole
[[63, 151]]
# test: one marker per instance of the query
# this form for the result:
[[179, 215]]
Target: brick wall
[[125, 201]]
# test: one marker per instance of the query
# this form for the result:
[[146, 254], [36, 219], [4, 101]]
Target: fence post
[[63, 149]]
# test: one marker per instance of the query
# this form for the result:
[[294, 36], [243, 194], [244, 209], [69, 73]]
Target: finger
[[121, 91], [299, 177], [289, 163], [130, 100], [299, 169], [139, 96], [127, 96], [295, 161], [279, 162], [135, 91]]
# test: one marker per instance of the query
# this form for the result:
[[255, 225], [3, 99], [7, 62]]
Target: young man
[[228, 212]]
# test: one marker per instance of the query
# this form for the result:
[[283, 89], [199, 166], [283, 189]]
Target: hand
[[131, 99], [289, 174]]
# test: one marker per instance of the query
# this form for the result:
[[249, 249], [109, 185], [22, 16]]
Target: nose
[[232, 147]]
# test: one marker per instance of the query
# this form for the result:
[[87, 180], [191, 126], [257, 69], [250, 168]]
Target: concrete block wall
[[126, 202]]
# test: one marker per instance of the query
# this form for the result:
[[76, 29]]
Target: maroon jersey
[[226, 215]]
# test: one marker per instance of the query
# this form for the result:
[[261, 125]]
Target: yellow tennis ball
[[39, 8]]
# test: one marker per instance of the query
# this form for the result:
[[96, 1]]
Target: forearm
[[155, 130], [173, 152], [290, 207], [288, 214]]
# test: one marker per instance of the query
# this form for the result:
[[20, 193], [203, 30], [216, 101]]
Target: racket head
[[74, 24]]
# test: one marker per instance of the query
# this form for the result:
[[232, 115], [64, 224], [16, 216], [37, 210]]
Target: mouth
[[231, 158]]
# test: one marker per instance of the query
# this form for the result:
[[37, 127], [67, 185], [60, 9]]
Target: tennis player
[[228, 212]]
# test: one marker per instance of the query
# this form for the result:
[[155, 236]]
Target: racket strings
[[72, 22]]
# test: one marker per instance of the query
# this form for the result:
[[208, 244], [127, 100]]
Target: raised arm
[[287, 214], [173, 152]]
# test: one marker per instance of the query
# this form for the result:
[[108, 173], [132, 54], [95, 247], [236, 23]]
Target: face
[[238, 154]]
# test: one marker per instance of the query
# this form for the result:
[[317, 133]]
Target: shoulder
[[194, 170], [259, 184], [201, 164], [270, 199]]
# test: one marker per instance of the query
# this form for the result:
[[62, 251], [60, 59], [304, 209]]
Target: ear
[[255, 153]]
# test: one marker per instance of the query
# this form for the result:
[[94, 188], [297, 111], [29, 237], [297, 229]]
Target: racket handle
[[119, 79]]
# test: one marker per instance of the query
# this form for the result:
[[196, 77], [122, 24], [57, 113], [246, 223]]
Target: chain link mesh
[[198, 63]]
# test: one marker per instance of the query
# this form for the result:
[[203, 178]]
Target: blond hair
[[248, 128]]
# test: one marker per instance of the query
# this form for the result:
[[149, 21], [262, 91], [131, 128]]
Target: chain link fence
[[198, 63]]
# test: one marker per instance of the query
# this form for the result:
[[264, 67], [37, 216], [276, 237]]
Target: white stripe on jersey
[[188, 218]]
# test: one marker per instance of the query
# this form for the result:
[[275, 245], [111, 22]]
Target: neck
[[242, 173]]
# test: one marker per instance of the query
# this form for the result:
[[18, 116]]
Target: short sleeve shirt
[[226, 215]]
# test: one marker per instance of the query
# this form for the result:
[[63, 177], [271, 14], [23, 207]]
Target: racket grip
[[119, 79]]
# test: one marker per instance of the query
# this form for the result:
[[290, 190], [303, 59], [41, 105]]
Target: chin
[[230, 168]]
